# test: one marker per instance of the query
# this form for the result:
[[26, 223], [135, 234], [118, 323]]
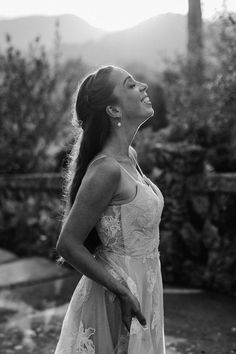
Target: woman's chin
[[148, 112], [151, 112]]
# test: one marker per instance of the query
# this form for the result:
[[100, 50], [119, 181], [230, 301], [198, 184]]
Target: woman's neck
[[118, 146]]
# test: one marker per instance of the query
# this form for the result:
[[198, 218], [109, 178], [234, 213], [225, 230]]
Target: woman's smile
[[146, 100]]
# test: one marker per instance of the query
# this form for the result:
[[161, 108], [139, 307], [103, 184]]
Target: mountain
[[149, 42], [25, 29], [145, 44]]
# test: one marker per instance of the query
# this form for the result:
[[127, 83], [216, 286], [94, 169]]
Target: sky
[[108, 14]]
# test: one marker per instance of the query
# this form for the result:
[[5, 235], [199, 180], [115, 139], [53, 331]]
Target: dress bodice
[[132, 228]]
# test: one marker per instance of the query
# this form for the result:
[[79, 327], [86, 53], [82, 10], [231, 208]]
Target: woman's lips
[[146, 100]]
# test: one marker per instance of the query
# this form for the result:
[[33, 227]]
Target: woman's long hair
[[91, 127]]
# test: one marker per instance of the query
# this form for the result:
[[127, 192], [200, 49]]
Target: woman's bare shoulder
[[103, 169], [99, 184], [104, 162]]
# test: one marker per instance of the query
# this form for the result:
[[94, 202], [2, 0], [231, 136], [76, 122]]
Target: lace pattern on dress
[[83, 290], [85, 345], [151, 278], [152, 251], [132, 287], [156, 323], [109, 227]]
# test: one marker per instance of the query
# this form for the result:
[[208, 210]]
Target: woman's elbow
[[66, 246], [61, 247]]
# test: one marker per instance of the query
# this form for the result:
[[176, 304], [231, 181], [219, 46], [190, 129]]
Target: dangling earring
[[119, 124]]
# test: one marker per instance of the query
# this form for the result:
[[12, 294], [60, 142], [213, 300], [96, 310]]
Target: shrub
[[33, 108]]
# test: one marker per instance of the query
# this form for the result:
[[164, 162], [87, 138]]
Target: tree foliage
[[33, 108], [205, 114]]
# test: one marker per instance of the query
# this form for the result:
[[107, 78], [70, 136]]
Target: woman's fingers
[[130, 307], [141, 318], [127, 320]]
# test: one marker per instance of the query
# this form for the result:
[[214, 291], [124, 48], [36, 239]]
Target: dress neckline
[[135, 180], [138, 187]]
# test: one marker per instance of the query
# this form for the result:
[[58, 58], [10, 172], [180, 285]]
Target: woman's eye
[[132, 85]]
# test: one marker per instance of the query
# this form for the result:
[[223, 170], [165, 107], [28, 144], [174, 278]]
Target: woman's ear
[[113, 111]]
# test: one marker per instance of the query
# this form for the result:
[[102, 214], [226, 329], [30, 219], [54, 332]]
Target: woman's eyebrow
[[128, 77]]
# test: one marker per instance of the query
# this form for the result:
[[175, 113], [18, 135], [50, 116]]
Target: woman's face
[[133, 100]]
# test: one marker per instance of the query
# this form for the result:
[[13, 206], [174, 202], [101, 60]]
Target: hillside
[[24, 29], [147, 44]]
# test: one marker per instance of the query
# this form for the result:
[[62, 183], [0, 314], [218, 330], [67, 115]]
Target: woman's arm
[[96, 191], [97, 188]]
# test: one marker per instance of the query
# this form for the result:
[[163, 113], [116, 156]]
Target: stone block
[[29, 271]]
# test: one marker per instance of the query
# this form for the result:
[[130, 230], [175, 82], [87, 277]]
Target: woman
[[117, 306]]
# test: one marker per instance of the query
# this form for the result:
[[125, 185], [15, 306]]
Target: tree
[[205, 114], [33, 108], [195, 42]]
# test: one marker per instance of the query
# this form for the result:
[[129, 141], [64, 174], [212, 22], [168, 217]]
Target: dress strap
[[128, 172], [98, 157], [139, 168]]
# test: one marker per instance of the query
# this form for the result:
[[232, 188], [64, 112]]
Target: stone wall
[[198, 227], [30, 213]]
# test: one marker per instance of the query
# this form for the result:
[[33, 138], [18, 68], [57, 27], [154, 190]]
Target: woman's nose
[[144, 86]]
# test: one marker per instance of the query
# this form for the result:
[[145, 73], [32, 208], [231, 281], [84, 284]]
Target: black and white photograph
[[118, 177]]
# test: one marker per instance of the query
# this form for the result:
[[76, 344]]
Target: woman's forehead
[[119, 75]]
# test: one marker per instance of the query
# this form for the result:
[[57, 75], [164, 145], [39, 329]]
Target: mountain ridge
[[23, 30], [146, 43]]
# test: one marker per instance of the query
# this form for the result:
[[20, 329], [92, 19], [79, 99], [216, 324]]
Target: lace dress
[[129, 233]]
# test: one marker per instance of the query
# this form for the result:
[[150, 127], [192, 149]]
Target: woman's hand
[[130, 307]]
